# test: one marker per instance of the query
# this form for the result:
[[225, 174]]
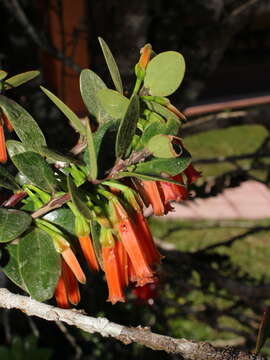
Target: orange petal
[[61, 294], [71, 284], [153, 194], [88, 251], [3, 150], [72, 262], [122, 261], [112, 273], [7, 122], [145, 55]]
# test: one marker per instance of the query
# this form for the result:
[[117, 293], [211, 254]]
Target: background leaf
[[112, 66], [127, 127], [73, 118], [90, 84], [36, 169], [164, 73], [264, 330], [24, 125], [13, 223], [113, 103], [7, 181], [20, 79], [41, 270]]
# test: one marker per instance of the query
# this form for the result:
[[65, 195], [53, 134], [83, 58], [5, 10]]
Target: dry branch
[[190, 350]]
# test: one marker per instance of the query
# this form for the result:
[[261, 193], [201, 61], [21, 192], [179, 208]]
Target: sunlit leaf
[[171, 127], [165, 73], [13, 223], [3, 74], [162, 110], [127, 127], [41, 270], [15, 147], [161, 146], [113, 103], [36, 169], [72, 117], [20, 79], [24, 125], [112, 66], [90, 84]]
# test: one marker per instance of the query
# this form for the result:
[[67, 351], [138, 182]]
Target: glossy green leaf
[[171, 127], [13, 223], [93, 169], [112, 66], [56, 156], [40, 271], [7, 181], [113, 103], [24, 125], [20, 79], [127, 127], [164, 73], [36, 169], [15, 147], [63, 218], [264, 330], [3, 74], [90, 84], [156, 167], [72, 117], [161, 146], [78, 200], [12, 269], [95, 234]]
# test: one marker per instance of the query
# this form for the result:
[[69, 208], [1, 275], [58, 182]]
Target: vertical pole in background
[[68, 32]]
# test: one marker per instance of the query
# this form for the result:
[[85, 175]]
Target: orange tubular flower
[[173, 192], [3, 151], [151, 190], [192, 174], [60, 294], [88, 251], [123, 262], [113, 275], [71, 284], [145, 55], [71, 260]]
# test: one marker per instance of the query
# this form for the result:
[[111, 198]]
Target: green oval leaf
[[93, 169], [164, 73], [15, 147], [7, 181], [72, 117], [12, 269], [39, 264], [112, 66], [113, 103], [127, 127], [20, 79], [171, 167], [13, 223], [3, 74], [36, 169], [162, 110], [161, 146], [90, 84], [24, 125], [63, 218], [77, 199]]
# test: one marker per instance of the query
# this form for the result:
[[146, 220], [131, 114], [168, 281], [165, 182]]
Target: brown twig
[[55, 203]]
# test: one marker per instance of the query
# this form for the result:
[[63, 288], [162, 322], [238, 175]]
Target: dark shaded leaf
[[7, 181], [64, 218], [113, 103], [72, 117], [36, 169], [41, 270], [20, 79], [95, 234], [127, 127], [24, 125], [13, 223], [56, 156], [12, 269], [77, 200], [164, 73], [124, 174], [90, 84], [112, 66], [93, 169]]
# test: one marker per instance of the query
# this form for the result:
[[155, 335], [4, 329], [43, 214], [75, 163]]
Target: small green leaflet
[[77, 200], [164, 73], [24, 125], [20, 79], [113, 103], [93, 169], [112, 66], [127, 127], [72, 117], [90, 84], [12, 224]]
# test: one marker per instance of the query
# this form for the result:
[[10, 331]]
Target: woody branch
[[188, 349]]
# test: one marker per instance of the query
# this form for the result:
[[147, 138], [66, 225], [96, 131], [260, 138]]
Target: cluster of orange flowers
[[128, 252]]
